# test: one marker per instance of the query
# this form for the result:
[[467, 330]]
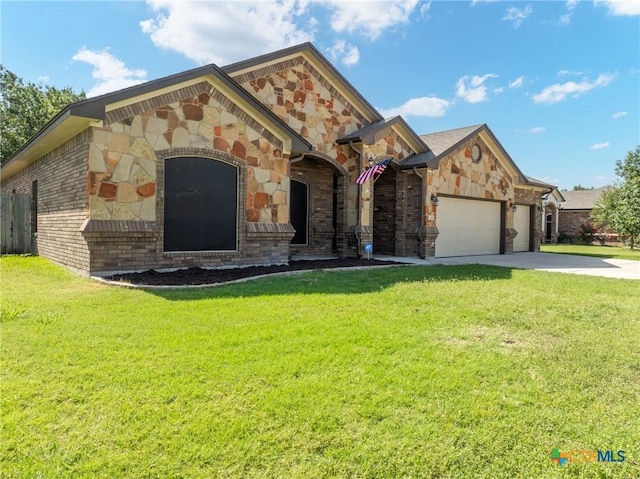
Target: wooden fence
[[15, 224]]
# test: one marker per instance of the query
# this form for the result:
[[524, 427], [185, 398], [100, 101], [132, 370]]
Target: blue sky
[[557, 82]]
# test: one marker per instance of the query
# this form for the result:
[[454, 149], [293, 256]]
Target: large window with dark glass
[[200, 205]]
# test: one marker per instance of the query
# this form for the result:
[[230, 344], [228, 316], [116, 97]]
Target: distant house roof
[[582, 199]]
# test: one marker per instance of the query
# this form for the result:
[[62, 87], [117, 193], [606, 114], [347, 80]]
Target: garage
[[522, 224], [467, 227]]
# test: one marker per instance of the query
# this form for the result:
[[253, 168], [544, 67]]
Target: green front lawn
[[592, 250], [424, 372]]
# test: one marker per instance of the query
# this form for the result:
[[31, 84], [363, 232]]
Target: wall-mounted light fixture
[[370, 165], [434, 200], [514, 207]]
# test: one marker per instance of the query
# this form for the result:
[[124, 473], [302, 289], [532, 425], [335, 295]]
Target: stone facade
[[101, 202], [531, 197], [458, 175]]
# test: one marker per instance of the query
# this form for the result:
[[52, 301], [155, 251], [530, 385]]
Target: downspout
[[358, 225], [421, 228]]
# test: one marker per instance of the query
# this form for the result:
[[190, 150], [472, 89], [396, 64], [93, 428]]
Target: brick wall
[[62, 201], [569, 221], [384, 213], [319, 176]]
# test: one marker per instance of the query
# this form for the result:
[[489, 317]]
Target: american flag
[[376, 169]]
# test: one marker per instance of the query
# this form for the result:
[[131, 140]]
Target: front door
[[300, 212], [548, 226]]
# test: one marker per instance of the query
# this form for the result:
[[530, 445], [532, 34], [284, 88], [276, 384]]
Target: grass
[[618, 252], [429, 372]]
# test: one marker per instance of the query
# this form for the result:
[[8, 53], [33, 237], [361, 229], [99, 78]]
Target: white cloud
[[369, 18], [599, 146], [424, 8], [565, 19], [621, 7], [564, 73], [347, 54], [603, 180], [44, 79], [571, 4], [472, 89], [111, 73], [551, 180], [429, 106], [537, 129], [619, 114], [558, 92], [517, 83], [498, 90], [517, 15], [224, 32]]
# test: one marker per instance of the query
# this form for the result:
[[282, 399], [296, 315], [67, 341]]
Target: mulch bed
[[197, 276]]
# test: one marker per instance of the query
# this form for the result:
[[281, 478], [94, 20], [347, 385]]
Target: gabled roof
[[444, 142], [78, 116], [553, 189], [367, 134], [581, 199], [312, 52]]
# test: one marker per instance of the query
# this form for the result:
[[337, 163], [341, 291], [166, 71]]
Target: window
[[200, 205], [300, 212]]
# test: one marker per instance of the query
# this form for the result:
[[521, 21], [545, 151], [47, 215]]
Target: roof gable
[[94, 111], [370, 133], [316, 62], [444, 142]]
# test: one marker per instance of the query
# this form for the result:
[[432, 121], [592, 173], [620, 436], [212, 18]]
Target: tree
[[619, 206], [25, 108], [581, 188]]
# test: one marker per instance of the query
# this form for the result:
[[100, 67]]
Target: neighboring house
[[254, 162], [576, 208]]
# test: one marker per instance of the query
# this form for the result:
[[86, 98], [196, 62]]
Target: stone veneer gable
[[458, 175], [300, 96], [122, 178]]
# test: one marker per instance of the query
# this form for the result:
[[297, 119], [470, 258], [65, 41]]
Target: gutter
[[421, 228], [358, 224]]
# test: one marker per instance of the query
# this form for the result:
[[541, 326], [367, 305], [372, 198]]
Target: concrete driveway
[[557, 263]]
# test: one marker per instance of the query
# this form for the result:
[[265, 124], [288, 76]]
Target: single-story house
[[257, 161], [575, 210]]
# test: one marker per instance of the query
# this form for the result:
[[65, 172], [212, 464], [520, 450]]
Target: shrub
[[563, 237], [587, 233]]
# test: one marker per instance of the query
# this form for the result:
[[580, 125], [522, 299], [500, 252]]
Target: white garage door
[[522, 224], [467, 227]]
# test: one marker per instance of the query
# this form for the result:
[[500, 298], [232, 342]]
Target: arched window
[[200, 205]]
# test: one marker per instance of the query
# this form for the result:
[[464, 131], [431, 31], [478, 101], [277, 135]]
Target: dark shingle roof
[[582, 199], [441, 141]]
